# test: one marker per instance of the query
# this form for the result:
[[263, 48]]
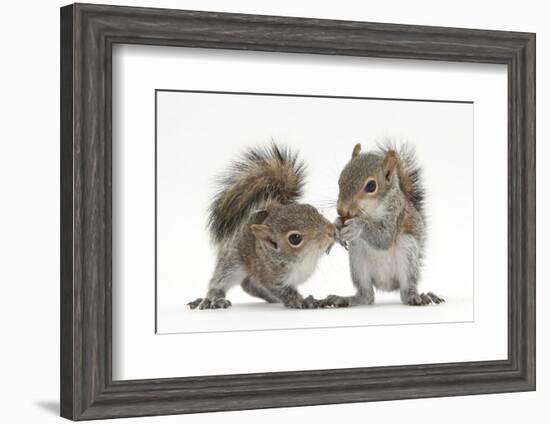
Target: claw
[[435, 298], [344, 244], [424, 299], [205, 304], [200, 303], [334, 301], [194, 303]]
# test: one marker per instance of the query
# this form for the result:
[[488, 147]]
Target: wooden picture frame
[[88, 33]]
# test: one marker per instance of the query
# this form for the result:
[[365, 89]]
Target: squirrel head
[[365, 181], [293, 231]]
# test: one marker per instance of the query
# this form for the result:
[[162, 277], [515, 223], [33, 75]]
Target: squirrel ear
[[263, 233], [389, 162], [259, 216], [356, 150]]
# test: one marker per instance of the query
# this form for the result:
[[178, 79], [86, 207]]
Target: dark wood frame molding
[[88, 33]]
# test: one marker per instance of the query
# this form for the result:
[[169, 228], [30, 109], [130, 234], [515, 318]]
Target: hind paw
[[418, 300], [423, 299], [206, 303]]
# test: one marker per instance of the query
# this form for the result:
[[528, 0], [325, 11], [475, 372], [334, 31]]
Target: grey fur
[[416, 195], [385, 232], [253, 246], [253, 288], [241, 192]]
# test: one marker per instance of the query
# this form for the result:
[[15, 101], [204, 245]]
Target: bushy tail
[[410, 175], [262, 175]]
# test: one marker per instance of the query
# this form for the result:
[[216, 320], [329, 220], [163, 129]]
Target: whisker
[[323, 202], [324, 199], [318, 206], [322, 205], [364, 211]]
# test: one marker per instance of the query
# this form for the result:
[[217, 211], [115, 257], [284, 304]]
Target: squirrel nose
[[344, 213]]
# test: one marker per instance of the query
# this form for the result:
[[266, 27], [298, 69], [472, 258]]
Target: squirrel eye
[[371, 186], [295, 239]]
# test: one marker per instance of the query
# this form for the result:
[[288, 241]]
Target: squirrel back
[[263, 175]]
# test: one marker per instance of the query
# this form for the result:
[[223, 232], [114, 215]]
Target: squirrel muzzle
[[346, 212]]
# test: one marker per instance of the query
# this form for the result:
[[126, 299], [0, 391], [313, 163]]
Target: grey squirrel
[[381, 222], [267, 242]]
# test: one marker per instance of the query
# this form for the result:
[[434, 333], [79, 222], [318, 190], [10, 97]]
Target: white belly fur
[[302, 270], [387, 269]]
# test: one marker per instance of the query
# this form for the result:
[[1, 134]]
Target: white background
[[29, 358], [198, 136], [138, 70]]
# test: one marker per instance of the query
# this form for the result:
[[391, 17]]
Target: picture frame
[[88, 33]]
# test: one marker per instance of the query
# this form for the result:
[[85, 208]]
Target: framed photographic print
[[264, 211]]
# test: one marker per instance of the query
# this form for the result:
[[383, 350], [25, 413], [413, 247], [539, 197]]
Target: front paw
[[339, 223], [311, 303], [435, 298], [294, 303], [334, 301], [299, 303], [351, 230]]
